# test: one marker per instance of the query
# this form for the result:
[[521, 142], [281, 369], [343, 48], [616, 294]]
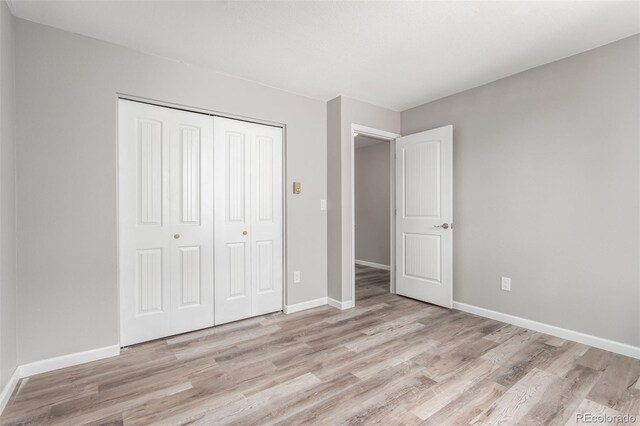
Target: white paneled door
[[424, 212], [248, 219], [165, 187]]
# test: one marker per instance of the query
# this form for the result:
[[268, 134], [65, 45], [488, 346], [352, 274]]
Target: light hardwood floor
[[390, 360]]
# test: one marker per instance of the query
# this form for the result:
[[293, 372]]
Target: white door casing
[[424, 214], [165, 187], [248, 219]]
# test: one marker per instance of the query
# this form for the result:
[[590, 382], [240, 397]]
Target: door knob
[[176, 236], [244, 232], [443, 226]]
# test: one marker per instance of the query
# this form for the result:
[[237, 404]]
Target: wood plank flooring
[[391, 360]]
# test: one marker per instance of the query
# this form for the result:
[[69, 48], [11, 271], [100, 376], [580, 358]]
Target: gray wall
[[67, 254], [334, 198], [373, 203], [546, 191], [341, 114], [8, 245]]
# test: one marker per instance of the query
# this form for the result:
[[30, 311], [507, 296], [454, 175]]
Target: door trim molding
[[189, 108], [351, 247], [563, 333]]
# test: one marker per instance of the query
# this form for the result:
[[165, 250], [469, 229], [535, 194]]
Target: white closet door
[[192, 218], [248, 219], [266, 220], [165, 189]]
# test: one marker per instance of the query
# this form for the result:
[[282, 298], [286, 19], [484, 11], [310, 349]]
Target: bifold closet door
[[248, 219], [165, 187]]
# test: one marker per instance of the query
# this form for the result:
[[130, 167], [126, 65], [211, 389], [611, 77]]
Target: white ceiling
[[393, 54]]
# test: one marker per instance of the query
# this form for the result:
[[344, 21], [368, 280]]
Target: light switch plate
[[323, 204], [296, 276], [297, 188], [505, 284]]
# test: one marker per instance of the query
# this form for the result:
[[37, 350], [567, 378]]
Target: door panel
[[232, 260], [248, 165], [189, 151], [424, 166], [149, 153], [422, 179], [192, 222], [264, 267], [189, 278], [165, 190], [235, 166], [237, 283], [149, 281], [266, 224]]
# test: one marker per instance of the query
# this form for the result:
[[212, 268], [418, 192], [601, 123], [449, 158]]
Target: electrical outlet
[[323, 204], [505, 284], [296, 277]]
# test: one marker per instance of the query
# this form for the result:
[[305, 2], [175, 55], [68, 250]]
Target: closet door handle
[[176, 236], [244, 232]]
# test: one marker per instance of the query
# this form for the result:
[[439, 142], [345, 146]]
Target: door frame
[[391, 139], [212, 113]]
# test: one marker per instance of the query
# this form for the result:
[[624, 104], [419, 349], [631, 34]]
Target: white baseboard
[[51, 364], [373, 265], [563, 333], [7, 391], [289, 309], [340, 305], [63, 361]]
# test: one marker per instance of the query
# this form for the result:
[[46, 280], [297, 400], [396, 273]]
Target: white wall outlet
[[296, 276], [505, 284], [323, 204]]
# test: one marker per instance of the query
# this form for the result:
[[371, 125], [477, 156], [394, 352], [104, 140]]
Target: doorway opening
[[372, 204], [373, 201], [420, 213]]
